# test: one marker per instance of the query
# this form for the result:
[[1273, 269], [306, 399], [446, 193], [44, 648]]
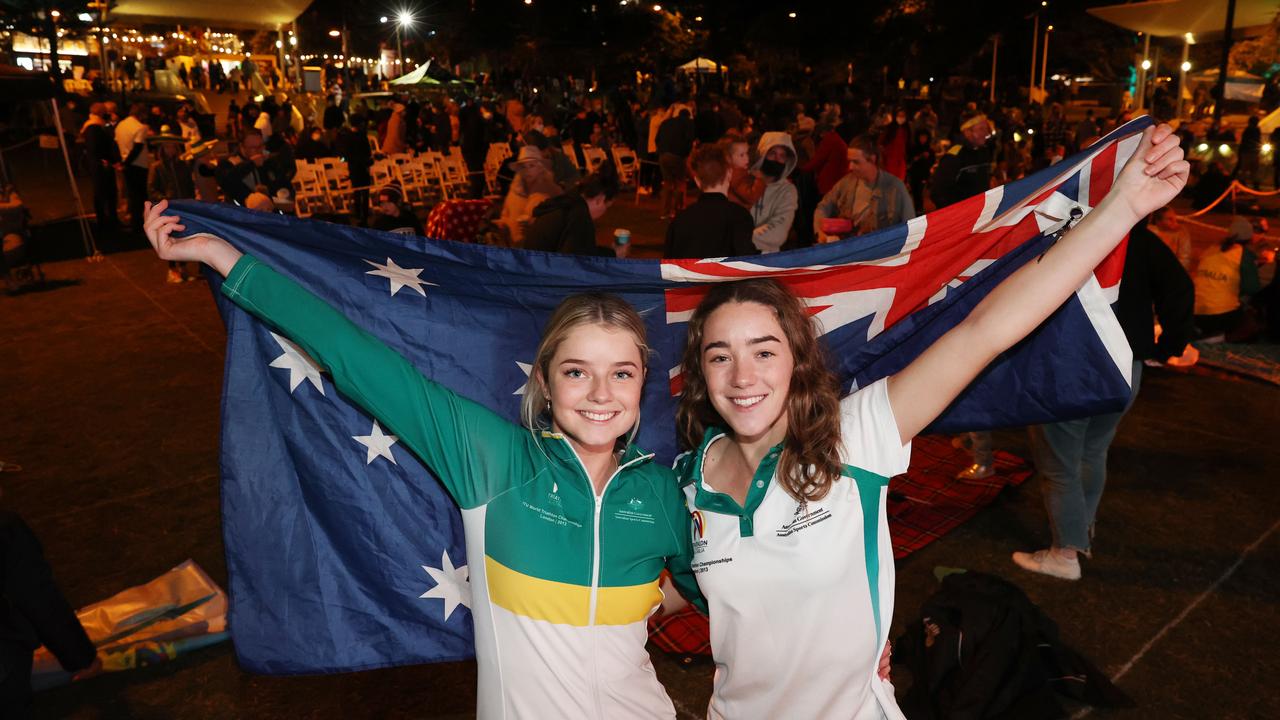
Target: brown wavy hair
[[810, 460]]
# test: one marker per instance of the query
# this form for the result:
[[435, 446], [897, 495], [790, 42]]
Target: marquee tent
[[269, 14], [1174, 18]]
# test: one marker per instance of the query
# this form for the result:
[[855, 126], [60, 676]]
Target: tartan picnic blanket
[[924, 504]]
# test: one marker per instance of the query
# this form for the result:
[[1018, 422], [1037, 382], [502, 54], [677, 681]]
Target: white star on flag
[[453, 585], [298, 363], [400, 277], [527, 368], [377, 443]]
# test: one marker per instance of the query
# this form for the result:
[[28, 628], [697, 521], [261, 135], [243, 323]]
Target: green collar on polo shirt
[[718, 502]]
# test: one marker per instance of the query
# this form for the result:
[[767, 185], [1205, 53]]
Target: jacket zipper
[[595, 567]]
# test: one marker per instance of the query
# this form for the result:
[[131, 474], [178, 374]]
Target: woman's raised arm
[[212, 251], [1154, 175], [474, 452]]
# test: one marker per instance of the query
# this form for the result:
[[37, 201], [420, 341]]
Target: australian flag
[[345, 554]]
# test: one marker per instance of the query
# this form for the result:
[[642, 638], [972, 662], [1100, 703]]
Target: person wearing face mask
[[869, 198], [774, 212]]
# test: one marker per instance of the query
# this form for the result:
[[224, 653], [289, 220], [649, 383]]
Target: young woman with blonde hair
[[787, 480], [568, 525]]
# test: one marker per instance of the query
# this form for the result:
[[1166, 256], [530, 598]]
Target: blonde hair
[[591, 308]]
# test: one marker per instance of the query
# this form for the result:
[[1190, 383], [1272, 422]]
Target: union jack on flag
[[343, 553]]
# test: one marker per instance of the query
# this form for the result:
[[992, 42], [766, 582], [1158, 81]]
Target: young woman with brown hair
[[568, 524], [787, 481]]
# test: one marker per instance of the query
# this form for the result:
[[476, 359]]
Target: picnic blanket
[[924, 504], [1260, 361]]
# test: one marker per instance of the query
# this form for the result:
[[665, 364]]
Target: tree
[[1258, 54]]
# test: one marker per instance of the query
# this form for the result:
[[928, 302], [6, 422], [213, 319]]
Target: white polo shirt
[[800, 594]]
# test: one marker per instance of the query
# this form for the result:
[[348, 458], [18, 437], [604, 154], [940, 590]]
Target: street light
[[335, 33], [1044, 62], [1186, 66], [1035, 40], [1146, 64], [404, 19]]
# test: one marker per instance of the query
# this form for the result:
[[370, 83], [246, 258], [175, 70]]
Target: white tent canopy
[[702, 65], [1173, 18], [227, 13], [417, 77]]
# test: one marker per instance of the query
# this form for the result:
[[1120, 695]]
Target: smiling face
[[594, 381], [747, 363]]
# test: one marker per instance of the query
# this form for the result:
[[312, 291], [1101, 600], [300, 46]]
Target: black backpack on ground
[[981, 650]]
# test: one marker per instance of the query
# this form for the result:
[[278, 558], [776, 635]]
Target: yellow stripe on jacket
[[566, 604]]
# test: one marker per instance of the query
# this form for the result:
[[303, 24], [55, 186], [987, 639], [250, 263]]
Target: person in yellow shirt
[[1223, 276]]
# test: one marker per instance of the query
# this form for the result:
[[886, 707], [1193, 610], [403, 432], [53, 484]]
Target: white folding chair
[[627, 165], [567, 148], [454, 176], [337, 184], [594, 156], [308, 190]]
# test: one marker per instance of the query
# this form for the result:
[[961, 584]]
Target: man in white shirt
[[131, 138]]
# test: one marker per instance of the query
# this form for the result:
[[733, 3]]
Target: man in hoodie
[[774, 212], [567, 223]]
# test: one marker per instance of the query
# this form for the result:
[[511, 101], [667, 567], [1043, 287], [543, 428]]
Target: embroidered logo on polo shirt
[[697, 531], [803, 518]]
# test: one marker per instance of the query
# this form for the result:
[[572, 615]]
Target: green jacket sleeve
[[683, 578], [474, 452], [679, 565]]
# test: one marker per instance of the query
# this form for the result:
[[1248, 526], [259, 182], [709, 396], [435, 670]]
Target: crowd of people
[[763, 179]]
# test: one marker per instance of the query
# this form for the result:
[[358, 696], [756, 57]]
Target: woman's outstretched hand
[[201, 247], [1155, 174]]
